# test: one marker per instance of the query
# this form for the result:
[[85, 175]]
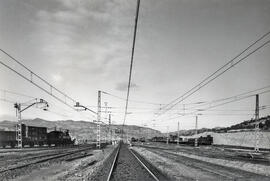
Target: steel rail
[[114, 163], [138, 159], [60, 155], [148, 170]]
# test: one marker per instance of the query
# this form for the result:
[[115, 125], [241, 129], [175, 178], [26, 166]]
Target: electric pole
[[110, 131], [106, 117], [257, 128], [196, 132], [98, 119], [167, 142], [19, 126], [178, 134]]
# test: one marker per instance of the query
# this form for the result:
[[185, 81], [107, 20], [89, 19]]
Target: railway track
[[28, 158], [129, 165], [218, 171], [65, 155], [213, 153]]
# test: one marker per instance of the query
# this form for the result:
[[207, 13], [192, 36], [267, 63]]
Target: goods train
[[32, 135], [208, 140]]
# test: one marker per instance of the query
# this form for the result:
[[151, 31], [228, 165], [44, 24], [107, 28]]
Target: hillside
[[82, 130], [264, 124]]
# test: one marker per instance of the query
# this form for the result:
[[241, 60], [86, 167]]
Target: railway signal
[[19, 109]]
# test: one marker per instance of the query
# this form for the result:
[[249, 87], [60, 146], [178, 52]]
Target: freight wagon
[[8, 138], [32, 136]]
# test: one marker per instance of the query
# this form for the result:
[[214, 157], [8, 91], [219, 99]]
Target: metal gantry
[[19, 110]]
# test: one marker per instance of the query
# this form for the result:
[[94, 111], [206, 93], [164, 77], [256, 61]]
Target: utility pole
[[98, 119], [110, 131], [106, 117], [19, 126], [196, 132], [167, 142], [257, 128], [178, 134]]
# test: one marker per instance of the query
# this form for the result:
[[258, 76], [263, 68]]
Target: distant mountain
[[83, 130]]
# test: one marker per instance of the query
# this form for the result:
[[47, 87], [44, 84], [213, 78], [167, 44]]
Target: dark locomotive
[[32, 135]]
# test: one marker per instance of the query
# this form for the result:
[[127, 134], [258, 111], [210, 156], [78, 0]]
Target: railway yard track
[[129, 165], [212, 152], [122, 163], [10, 168], [215, 171]]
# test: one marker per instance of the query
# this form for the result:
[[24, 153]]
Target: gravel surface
[[128, 168], [209, 151], [185, 168]]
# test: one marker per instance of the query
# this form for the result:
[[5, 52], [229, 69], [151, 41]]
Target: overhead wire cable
[[220, 104], [15, 93], [137, 101], [202, 83], [231, 97], [43, 80], [131, 61]]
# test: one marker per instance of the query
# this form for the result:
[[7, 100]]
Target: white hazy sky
[[85, 46]]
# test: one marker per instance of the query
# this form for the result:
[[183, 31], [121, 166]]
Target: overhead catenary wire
[[231, 97], [15, 93], [131, 61], [220, 104], [48, 91], [216, 74], [137, 101], [145, 102]]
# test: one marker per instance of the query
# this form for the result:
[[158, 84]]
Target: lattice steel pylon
[[98, 119], [178, 133], [19, 125], [257, 128], [196, 132]]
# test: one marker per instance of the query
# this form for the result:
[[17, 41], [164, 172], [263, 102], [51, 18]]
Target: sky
[[82, 46]]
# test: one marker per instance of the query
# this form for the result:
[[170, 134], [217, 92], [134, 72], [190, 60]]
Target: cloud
[[86, 38], [56, 77], [122, 86]]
